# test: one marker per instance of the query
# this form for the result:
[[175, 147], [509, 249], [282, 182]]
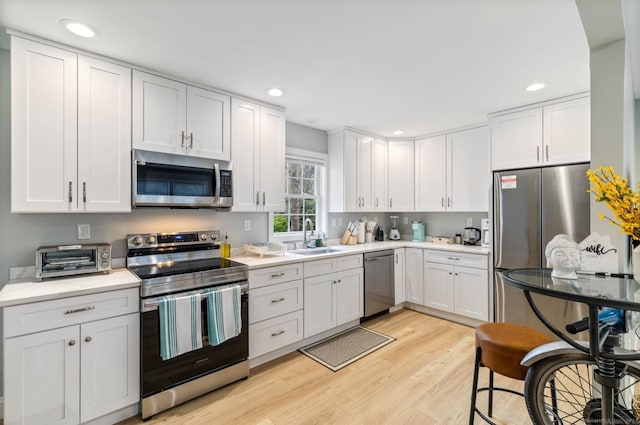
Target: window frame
[[321, 205]]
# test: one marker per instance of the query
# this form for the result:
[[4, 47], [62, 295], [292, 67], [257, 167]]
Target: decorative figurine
[[563, 254]]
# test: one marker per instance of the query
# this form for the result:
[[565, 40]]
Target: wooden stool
[[500, 347]]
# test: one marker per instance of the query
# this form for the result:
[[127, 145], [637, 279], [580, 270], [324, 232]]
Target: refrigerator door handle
[[497, 217], [499, 298]]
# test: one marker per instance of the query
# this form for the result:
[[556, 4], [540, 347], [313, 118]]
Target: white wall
[[302, 137]]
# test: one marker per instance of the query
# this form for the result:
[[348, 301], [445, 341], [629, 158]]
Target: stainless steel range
[[176, 265]]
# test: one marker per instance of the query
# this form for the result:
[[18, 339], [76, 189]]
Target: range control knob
[[151, 240], [213, 236], [137, 240], [203, 237], [104, 255], [105, 264]]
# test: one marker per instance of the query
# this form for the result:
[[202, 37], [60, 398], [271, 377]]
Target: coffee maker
[[418, 231]]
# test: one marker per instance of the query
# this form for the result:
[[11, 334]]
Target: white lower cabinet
[[275, 308], [76, 373], [414, 286], [398, 275], [333, 298], [457, 283]]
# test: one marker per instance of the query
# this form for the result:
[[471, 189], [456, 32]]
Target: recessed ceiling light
[[78, 28], [275, 92], [535, 86], [398, 132]]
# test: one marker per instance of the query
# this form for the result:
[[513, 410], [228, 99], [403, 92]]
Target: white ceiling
[[377, 65]]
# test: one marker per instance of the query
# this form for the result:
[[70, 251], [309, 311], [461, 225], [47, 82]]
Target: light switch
[[84, 231]]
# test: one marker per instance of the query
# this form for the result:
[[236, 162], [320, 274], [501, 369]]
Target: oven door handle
[[150, 304]]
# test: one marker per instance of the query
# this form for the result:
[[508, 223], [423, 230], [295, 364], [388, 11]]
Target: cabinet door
[[42, 378], [245, 140], [567, 132], [438, 286], [208, 124], [468, 174], [319, 304], [516, 139], [431, 174], [414, 286], [349, 296], [159, 114], [401, 175], [364, 170], [380, 167], [350, 171], [398, 274], [43, 128], [110, 365], [104, 136], [272, 145], [472, 292]]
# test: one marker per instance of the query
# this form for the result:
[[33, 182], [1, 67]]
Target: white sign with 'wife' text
[[598, 254]]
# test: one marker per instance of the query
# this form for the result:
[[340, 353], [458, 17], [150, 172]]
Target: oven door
[[158, 374]]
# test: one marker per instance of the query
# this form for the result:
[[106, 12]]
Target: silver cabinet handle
[[88, 339], [190, 140], [72, 342], [279, 300], [277, 274], [84, 192], [546, 151], [280, 332], [442, 201], [257, 198], [390, 202], [453, 258], [450, 273], [448, 201], [376, 202], [78, 310], [455, 274], [70, 192], [537, 153], [264, 199], [396, 258], [182, 139]]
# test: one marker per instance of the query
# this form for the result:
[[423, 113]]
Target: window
[[304, 195]]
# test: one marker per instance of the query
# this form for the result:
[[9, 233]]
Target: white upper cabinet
[[258, 143], [452, 171], [173, 117], [401, 175], [355, 180], [551, 134], [71, 131]]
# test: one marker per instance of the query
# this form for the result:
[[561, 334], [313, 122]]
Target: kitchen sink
[[315, 251]]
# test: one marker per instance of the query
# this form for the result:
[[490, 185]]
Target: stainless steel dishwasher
[[379, 291]]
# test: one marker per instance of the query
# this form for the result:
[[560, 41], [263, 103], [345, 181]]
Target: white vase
[[635, 262]]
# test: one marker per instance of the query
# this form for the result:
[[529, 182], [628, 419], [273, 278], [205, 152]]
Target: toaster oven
[[68, 260]]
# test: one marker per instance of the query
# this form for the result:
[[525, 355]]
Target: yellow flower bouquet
[[610, 188]]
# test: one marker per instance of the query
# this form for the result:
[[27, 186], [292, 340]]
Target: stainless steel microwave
[[164, 180]]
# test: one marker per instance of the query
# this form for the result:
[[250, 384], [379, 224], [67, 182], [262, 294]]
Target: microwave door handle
[[216, 169]]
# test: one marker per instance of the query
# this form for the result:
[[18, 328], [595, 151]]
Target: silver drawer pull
[[78, 310], [72, 342], [453, 258], [279, 300], [277, 333], [88, 339], [278, 274]]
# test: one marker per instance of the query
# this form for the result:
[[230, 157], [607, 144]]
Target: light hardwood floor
[[424, 377]]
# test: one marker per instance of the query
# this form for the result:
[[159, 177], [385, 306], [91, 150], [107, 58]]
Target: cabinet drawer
[[320, 267], [35, 317], [270, 275], [272, 334], [478, 261], [349, 262], [275, 300]]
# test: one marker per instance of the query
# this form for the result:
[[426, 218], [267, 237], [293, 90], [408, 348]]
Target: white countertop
[[255, 262], [26, 291]]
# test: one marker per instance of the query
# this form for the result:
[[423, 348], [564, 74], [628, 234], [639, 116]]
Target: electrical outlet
[[84, 231], [333, 222], [339, 221], [247, 225], [406, 220], [469, 222]]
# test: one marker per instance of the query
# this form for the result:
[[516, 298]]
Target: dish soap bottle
[[226, 247]]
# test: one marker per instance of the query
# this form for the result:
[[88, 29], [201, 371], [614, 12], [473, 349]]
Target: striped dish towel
[[224, 320], [180, 325]]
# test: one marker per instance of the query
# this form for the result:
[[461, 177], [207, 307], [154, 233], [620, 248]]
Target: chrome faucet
[[305, 241]]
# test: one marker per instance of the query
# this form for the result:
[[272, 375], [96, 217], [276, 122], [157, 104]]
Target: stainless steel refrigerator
[[530, 207]]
